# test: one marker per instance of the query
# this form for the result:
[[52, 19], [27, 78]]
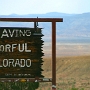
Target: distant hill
[[50, 14], [72, 25]]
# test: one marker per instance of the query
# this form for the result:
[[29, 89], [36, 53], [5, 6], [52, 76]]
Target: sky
[[22, 7]]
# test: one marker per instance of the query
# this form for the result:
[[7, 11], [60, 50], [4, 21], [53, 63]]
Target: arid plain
[[72, 66]]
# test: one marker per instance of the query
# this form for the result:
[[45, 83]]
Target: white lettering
[[13, 47], [16, 62], [11, 34], [7, 47], [22, 62], [19, 47], [15, 33], [26, 48], [11, 61], [28, 33], [10, 48], [21, 33], [2, 48], [28, 60], [5, 61], [4, 34]]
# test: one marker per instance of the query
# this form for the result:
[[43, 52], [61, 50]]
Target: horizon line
[[41, 13]]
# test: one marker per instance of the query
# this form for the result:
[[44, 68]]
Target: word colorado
[[16, 62]]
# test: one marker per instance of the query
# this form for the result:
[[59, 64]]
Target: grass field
[[70, 72], [72, 67]]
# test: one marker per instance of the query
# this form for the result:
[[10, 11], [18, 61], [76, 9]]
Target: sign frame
[[53, 21]]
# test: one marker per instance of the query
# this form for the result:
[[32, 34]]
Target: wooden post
[[53, 55]]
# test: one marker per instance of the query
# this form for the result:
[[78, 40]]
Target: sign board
[[20, 52]]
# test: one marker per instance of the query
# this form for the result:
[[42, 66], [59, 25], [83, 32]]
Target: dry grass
[[72, 67], [70, 71]]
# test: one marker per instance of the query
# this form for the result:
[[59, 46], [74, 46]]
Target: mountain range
[[73, 25]]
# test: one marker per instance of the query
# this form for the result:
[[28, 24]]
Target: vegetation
[[18, 85], [72, 73]]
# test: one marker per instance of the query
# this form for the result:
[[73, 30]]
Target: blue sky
[[43, 6]]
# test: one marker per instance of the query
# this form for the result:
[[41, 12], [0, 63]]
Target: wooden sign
[[20, 52]]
